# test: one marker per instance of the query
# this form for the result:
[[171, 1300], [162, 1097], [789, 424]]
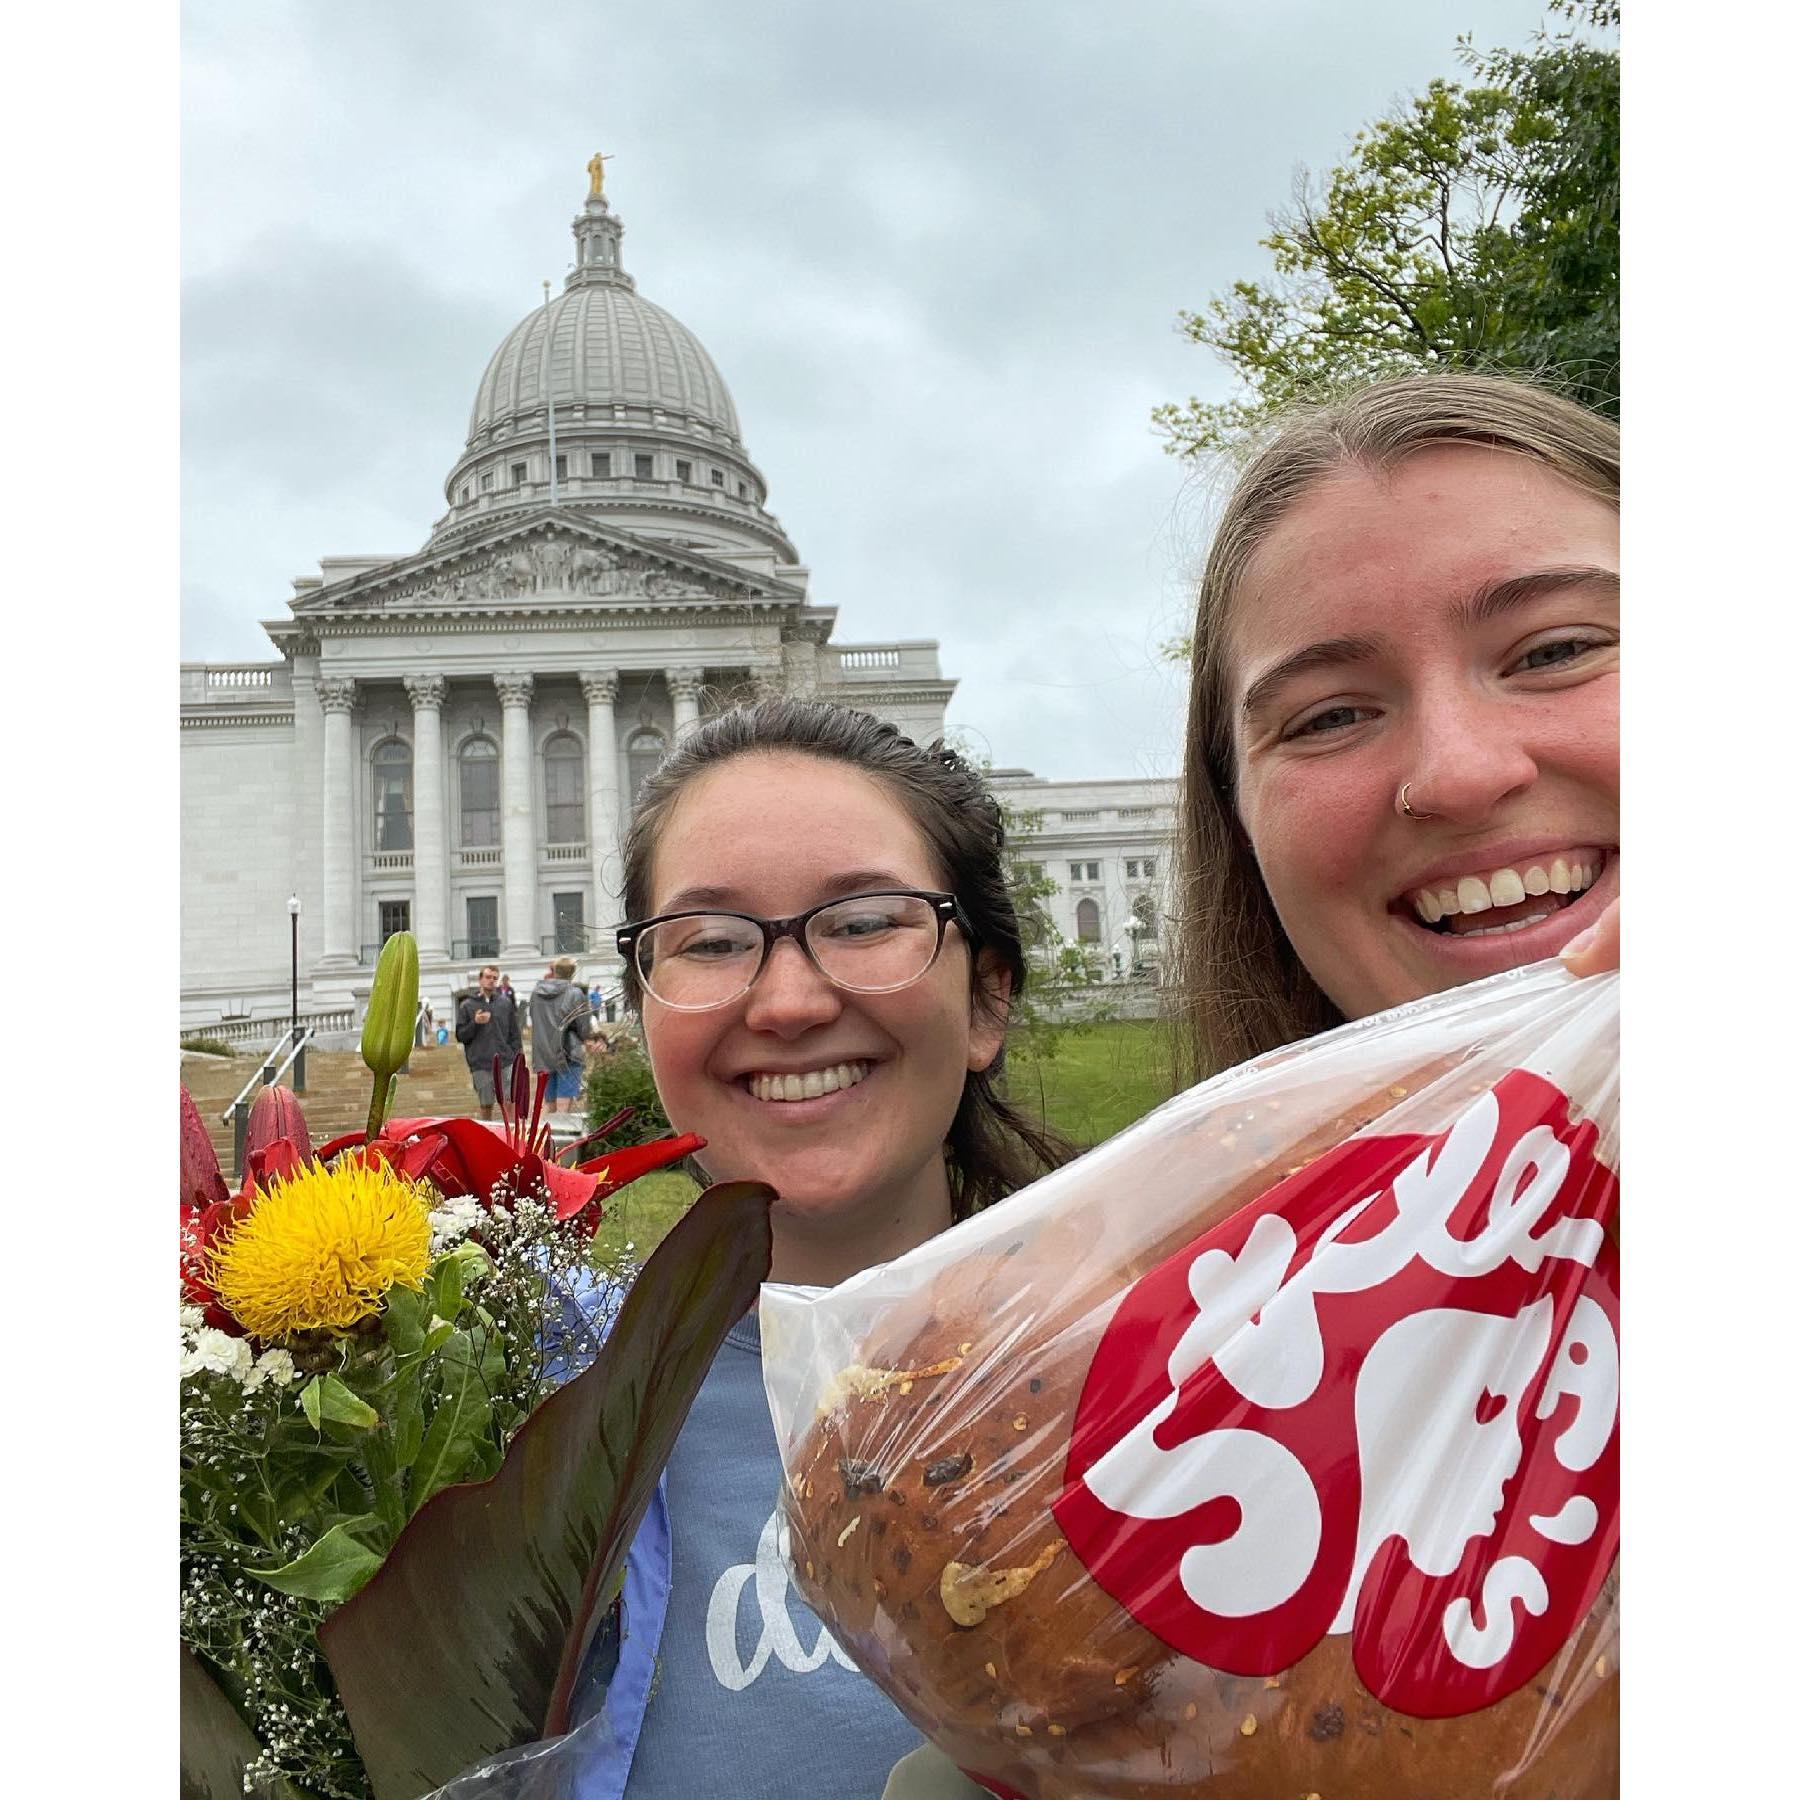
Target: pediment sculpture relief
[[552, 564]]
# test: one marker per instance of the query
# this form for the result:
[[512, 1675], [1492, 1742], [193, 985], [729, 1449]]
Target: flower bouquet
[[418, 1427]]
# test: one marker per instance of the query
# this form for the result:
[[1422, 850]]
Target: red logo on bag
[[1381, 1399]]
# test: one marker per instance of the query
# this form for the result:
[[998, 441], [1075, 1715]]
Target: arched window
[[478, 785], [393, 796], [1087, 921], [564, 812], [643, 755]]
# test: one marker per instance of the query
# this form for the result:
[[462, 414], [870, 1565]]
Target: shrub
[[624, 1079], [209, 1046]]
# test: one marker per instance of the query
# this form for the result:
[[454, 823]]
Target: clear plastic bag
[[1269, 1449]]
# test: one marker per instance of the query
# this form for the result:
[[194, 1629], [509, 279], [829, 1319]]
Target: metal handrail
[[237, 1114]]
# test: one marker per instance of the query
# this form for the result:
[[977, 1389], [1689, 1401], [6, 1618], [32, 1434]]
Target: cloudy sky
[[936, 248]]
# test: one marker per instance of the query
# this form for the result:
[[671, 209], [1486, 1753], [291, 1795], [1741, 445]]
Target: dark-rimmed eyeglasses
[[866, 944]]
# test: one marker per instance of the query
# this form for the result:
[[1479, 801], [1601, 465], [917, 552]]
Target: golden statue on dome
[[597, 175]]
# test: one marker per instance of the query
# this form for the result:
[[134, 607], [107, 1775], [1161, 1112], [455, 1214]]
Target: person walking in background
[[561, 1022], [487, 1026]]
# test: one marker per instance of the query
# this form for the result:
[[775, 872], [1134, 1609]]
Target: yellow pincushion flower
[[321, 1249]]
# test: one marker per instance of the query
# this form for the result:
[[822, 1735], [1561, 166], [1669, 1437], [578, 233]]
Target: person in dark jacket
[[487, 1025]]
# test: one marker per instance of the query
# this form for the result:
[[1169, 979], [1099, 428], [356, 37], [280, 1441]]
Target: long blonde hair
[[1239, 988]]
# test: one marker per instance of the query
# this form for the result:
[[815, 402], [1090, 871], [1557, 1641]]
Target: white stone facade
[[1108, 847], [451, 739]]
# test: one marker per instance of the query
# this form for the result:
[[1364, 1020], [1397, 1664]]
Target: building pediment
[[556, 560]]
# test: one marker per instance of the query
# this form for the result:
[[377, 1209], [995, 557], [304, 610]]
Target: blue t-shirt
[[752, 1695]]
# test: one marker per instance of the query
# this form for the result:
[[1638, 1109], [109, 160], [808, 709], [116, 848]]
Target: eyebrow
[[1488, 602], [852, 881]]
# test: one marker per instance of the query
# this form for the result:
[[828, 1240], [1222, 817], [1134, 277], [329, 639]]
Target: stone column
[[337, 846], [603, 796], [684, 690], [431, 875], [518, 853]]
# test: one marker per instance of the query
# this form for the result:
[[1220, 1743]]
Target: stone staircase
[[338, 1084]]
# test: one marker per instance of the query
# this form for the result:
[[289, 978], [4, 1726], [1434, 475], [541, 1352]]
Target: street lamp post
[[294, 989]]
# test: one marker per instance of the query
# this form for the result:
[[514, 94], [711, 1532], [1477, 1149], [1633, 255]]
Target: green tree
[[1476, 229]]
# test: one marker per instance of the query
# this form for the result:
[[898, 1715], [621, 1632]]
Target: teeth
[[810, 1085], [1506, 887], [1472, 895], [1516, 925]]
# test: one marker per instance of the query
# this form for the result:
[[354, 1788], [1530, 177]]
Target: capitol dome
[[643, 426], [605, 344]]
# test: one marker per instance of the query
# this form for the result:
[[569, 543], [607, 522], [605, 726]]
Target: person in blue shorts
[[561, 1023]]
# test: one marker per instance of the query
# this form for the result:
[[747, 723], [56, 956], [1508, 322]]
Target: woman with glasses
[[822, 951]]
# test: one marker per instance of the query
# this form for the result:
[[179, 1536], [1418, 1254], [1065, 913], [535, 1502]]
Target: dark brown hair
[[1240, 987], [991, 1148]]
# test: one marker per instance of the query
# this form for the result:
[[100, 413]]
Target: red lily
[[466, 1156], [276, 1142]]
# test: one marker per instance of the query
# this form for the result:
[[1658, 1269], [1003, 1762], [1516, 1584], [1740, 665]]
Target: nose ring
[[1406, 809]]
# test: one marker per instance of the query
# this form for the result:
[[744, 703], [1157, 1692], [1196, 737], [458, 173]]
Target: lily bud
[[201, 1182], [387, 1035], [275, 1114]]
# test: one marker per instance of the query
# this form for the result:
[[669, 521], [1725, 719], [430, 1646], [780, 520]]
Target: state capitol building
[[448, 742]]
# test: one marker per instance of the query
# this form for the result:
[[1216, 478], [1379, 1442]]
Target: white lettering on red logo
[[1381, 1399]]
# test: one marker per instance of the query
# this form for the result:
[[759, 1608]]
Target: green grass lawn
[[1100, 1080]]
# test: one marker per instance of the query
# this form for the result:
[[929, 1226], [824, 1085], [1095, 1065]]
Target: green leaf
[[494, 1588], [406, 1420], [336, 1566], [404, 1319], [326, 1397], [459, 1422], [444, 1286]]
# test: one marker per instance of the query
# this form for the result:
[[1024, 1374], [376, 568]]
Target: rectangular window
[[684, 470], [1131, 869], [718, 477], [395, 915], [562, 468], [602, 461], [1093, 871], [1074, 871], [465, 495], [487, 480], [563, 806], [1150, 868], [743, 490], [644, 466], [565, 913], [484, 925], [518, 474], [480, 802]]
